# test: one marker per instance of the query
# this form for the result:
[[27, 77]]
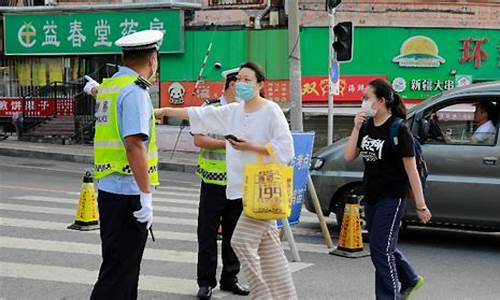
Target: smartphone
[[232, 137]]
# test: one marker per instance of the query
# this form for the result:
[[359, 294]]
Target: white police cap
[[230, 72], [141, 40]]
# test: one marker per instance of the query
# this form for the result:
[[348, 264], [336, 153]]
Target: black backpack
[[422, 170]]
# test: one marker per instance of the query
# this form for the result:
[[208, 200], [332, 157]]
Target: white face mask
[[366, 106]]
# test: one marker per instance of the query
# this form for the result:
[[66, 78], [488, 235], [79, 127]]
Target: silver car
[[463, 187]]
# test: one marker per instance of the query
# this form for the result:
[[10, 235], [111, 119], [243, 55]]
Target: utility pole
[[294, 66], [331, 23]]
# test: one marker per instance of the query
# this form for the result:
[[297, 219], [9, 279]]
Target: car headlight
[[317, 163]]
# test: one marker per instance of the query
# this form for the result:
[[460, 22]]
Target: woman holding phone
[[250, 127]]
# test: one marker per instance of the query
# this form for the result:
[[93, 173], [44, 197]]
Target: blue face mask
[[244, 91]]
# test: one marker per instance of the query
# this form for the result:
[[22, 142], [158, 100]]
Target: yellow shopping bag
[[267, 189]]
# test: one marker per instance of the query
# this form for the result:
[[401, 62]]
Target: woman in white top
[[255, 122]]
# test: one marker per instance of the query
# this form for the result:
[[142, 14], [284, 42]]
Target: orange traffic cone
[[350, 240], [87, 217]]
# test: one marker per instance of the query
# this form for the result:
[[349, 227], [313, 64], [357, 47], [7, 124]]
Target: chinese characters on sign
[[428, 85], [50, 30], [473, 52], [102, 31], [36, 107], [129, 27], [276, 90], [91, 33], [75, 34], [315, 88]]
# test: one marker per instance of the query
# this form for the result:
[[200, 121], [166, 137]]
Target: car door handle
[[490, 161]]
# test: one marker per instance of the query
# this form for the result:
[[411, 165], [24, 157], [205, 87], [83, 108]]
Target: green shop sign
[[88, 33]]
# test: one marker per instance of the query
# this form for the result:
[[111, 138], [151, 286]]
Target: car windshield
[[417, 107]]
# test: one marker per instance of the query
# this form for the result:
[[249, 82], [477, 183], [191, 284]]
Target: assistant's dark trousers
[[391, 266], [123, 240], [215, 209]]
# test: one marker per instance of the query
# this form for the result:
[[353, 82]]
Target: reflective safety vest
[[110, 155], [212, 162]]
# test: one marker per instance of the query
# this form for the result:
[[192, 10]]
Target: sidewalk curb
[[88, 159]]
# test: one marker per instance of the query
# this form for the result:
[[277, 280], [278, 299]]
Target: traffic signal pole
[[295, 95], [294, 66], [331, 23]]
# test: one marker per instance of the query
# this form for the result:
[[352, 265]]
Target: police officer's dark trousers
[[123, 240], [215, 209]]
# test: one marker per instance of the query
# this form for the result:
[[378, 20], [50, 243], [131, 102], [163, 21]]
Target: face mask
[[366, 106], [244, 91]]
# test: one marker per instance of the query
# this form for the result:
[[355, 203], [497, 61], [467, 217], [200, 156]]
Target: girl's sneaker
[[408, 293]]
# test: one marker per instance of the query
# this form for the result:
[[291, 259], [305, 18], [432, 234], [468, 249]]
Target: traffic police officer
[[215, 209], [126, 159]]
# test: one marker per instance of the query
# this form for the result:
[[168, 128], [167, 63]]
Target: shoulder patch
[[212, 101], [143, 83]]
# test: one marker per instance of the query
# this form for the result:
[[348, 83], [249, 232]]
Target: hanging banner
[[88, 33], [303, 145]]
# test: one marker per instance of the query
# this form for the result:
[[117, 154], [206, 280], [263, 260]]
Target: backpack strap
[[394, 129]]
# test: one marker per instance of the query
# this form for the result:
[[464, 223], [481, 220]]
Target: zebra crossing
[[33, 223]]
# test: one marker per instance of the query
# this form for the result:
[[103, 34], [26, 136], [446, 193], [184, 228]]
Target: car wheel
[[340, 207]]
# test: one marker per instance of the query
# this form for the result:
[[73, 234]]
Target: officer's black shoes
[[236, 288], [205, 293]]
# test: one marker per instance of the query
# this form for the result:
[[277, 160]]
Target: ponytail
[[398, 108], [383, 89]]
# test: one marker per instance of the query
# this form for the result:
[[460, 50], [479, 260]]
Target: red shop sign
[[315, 88], [40, 107]]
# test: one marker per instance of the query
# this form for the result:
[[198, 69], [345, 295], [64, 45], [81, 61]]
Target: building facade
[[422, 49]]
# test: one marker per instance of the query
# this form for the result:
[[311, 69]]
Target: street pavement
[[41, 259]]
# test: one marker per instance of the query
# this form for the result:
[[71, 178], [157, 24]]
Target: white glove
[[90, 85], [145, 214]]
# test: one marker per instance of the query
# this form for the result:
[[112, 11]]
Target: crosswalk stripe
[[161, 284], [75, 200], [157, 219], [152, 283], [171, 209], [306, 218], [93, 249], [194, 195], [159, 234], [195, 189], [71, 212]]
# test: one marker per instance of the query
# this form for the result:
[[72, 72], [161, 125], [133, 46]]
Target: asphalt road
[[41, 259]]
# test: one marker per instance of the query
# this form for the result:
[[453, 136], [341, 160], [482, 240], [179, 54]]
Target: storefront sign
[[420, 52], [351, 88], [463, 80], [314, 90], [43, 107], [88, 33], [471, 51]]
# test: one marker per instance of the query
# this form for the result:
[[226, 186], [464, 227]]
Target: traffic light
[[331, 4], [343, 41]]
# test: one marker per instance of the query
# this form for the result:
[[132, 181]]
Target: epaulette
[[212, 101], [143, 83]]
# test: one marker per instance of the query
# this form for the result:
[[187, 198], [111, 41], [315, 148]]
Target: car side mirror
[[423, 130]]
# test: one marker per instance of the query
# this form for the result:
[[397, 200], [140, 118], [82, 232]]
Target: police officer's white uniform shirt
[[268, 125], [484, 133], [134, 113]]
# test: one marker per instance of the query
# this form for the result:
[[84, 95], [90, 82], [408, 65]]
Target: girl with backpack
[[389, 173]]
